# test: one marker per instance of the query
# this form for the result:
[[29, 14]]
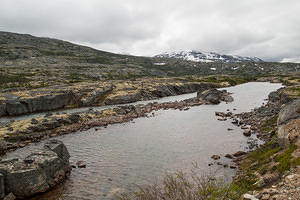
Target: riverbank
[[18, 134], [272, 171], [269, 172]]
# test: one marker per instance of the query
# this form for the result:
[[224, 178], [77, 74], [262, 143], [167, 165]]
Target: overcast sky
[[268, 29]]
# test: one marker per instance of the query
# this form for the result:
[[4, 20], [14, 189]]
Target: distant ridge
[[198, 56]]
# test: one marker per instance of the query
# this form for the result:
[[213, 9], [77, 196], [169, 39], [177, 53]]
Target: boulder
[[247, 132], [227, 98], [230, 156], [80, 164], [239, 153], [232, 166], [38, 172], [289, 111], [74, 118], [2, 109], [289, 124], [289, 133], [34, 121], [213, 96], [215, 157], [279, 96], [274, 96]]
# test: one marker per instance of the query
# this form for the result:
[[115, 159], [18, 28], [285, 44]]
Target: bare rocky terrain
[[33, 62]]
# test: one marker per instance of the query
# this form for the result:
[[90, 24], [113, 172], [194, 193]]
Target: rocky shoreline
[[20, 133], [274, 166], [277, 124]]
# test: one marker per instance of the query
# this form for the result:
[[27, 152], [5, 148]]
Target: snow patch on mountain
[[197, 56]]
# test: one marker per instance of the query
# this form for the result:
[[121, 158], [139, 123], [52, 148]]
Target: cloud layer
[[267, 29]]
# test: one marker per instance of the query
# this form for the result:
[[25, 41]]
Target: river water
[[122, 156]]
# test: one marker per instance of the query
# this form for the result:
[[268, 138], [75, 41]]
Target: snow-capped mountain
[[197, 56]]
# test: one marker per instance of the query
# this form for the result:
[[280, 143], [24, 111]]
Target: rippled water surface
[[122, 156]]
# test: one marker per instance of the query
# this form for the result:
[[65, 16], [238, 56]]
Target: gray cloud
[[267, 29]]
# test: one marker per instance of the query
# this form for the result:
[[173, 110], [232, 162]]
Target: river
[[122, 156]]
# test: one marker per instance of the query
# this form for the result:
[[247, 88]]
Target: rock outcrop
[[214, 96], [37, 104], [95, 95], [37, 173], [158, 91], [289, 124], [61, 97]]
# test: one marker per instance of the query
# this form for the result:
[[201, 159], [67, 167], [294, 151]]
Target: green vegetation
[[78, 67], [232, 80], [270, 158], [285, 159], [75, 77], [100, 60], [269, 125], [263, 154], [296, 90], [118, 76], [192, 186], [56, 53], [16, 80]]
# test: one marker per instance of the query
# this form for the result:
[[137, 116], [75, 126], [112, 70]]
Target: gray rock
[[247, 132], [212, 95], [274, 96], [3, 146], [59, 148], [289, 111], [38, 172], [288, 123], [2, 189], [239, 153], [215, 157], [74, 118], [227, 98], [94, 96], [34, 121], [39, 103], [2, 109], [126, 98], [16, 108]]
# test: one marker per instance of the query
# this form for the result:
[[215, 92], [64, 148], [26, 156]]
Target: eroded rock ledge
[[20, 133], [35, 174], [93, 94]]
